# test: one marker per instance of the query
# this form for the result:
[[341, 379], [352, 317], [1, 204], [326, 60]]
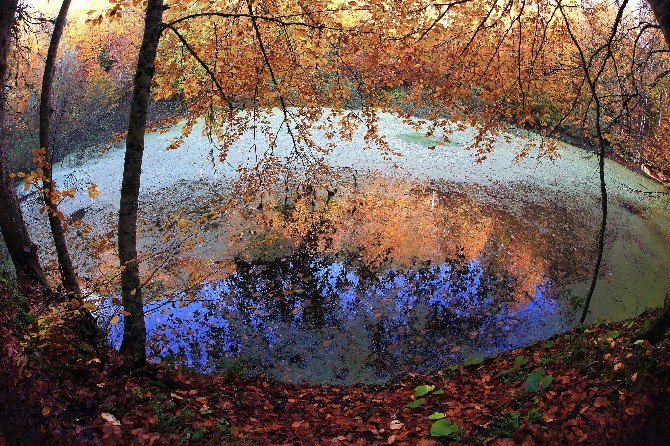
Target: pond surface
[[383, 281], [339, 327], [398, 263]]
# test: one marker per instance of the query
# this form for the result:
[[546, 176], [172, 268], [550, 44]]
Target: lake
[[386, 262]]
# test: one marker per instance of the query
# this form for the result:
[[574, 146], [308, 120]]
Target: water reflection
[[380, 281], [317, 319]]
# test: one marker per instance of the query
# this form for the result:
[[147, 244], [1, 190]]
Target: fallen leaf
[[396, 424], [110, 419]]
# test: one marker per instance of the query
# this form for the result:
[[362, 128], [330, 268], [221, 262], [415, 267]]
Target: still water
[[398, 263], [382, 278]]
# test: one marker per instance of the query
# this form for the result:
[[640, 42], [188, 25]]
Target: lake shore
[[492, 401]]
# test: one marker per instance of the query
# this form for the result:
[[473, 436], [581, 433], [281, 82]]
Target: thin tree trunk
[[602, 142], [603, 225], [14, 231], [68, 275], [133, 345]]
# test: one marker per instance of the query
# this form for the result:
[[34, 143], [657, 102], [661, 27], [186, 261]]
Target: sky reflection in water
[[316, 318]]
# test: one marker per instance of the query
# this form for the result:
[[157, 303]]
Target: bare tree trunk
[[655, 333], [133, 345], [68, 275], [661, 10], [21, 249], [603, 222]]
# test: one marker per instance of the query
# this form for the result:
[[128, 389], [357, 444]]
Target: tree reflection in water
[[373, 285], [315, 318]]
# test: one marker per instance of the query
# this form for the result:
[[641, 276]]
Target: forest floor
[[60, 385]]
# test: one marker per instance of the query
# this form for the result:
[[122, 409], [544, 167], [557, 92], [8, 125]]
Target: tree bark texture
[[133, 345], [661, 9], [14, 231]]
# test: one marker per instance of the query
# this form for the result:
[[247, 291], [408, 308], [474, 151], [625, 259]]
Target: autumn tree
[[19, 244], [219, 110], [542, 65], [525, 63], [68, 275], [661, 325]]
